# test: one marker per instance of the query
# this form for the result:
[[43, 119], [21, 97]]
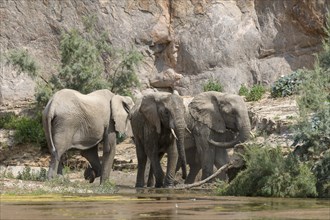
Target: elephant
[[74, 120], [158, 127], [216, 121]]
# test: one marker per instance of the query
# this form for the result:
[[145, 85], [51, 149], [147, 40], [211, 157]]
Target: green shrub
[[81, 64], [286, 85], [243, 91], [212, 85], [253, 94], [27, 130], [269, 173], [23, 62], [312, 130], [256, 93], [321, 170], [7, 120], [28, 174], [89, 62], [124, 77]]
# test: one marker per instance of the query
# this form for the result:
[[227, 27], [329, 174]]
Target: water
[[129, 203]]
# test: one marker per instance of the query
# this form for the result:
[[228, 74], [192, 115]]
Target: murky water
[[160, 204]]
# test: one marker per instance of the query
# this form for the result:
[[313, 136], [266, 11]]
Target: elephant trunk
[[179, 131], [243, 135]]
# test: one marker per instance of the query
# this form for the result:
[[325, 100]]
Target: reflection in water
[[165, 205]]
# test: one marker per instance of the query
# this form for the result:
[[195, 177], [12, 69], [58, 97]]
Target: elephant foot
[[158, 185], [139, 185], [169, 184], [89, 174]]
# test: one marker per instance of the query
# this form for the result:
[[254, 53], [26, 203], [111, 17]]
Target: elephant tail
[[49, 117]]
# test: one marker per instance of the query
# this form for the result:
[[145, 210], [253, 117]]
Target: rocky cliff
[[184, 42]]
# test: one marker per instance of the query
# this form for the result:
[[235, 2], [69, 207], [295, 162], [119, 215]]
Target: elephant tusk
[[174, 134], [188, 130]]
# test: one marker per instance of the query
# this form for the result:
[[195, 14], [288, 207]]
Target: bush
[[28, 174], [269, 173], [27, 129], [88, 63], [23, 62], [256, 93], [253, 94], [243, 91], [286, 85], [312, 130], [321, 170], [124, 77], [212, 85], [7, 120]]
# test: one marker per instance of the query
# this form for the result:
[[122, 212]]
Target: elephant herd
[[194, 131]]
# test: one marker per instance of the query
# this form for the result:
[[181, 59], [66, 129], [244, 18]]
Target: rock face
[[237, 42]]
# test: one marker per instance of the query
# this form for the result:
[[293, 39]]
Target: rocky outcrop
[[237, 42]]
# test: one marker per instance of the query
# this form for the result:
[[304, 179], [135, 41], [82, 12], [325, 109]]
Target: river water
[[129, 203]]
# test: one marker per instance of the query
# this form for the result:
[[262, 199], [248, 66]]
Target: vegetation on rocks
[[212, 85], [89, 62], [23, 62], [254, 94], [287, 85]]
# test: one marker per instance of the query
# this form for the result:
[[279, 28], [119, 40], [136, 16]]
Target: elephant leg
[[194, 170], [172, 160], [56, 165], [142, 161], [208, 162], [221, 158], [52, 167], [156, 168], [109, 150], [151, 179], [60, 167], [194, 166], [205, 152], [94, 168]]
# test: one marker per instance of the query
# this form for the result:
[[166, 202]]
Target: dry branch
[[199, 183]]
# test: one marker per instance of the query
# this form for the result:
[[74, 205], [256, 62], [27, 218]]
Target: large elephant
[[158, 126], [75, 120], [216, 121]]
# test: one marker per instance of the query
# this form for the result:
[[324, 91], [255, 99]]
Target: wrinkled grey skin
[[216, 121], [74, 120], [152, 119]]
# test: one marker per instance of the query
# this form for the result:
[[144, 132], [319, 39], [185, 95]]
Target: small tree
[[313, 126], [212, 85], [253, 94], [269, 173], [89, 62], [21, 60]]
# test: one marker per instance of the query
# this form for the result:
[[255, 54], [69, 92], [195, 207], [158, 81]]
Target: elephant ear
[[204, 108], [120, 108], [149, 110]]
